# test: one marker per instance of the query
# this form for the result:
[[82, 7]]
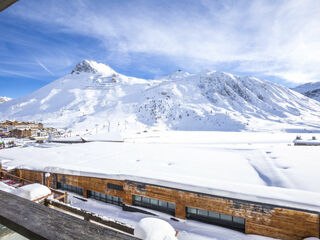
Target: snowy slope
[[94, 97], [311, 90], [4, 99]]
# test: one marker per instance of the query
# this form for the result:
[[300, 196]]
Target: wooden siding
[[33, 176], [261, 219]]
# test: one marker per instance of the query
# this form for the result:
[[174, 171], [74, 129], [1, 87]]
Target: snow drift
[[154, 229], [32, 191]]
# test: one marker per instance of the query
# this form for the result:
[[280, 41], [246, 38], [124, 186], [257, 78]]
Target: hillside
[[95, 97], [311, 90]]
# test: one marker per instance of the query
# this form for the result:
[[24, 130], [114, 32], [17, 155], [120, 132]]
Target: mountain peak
[[90, 66], [178, 74]]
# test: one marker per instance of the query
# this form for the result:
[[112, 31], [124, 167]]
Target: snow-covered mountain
[[94, 96], [311, 90], [4, 99]]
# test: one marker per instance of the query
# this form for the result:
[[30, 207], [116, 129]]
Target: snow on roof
[[154, 229], [32, 191], [282, 197], [4, 187]]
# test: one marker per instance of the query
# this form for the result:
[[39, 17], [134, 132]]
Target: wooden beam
[[6, 3], [36, 221]]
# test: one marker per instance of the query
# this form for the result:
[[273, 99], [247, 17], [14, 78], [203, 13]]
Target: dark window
[[238, 220], [220, 219], [226, 217], [155, 204], [104, 198], [114, 186], [70, 188], [212, 214]]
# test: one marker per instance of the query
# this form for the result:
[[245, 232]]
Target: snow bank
[[32, 191], [154, 229], [4, 187]]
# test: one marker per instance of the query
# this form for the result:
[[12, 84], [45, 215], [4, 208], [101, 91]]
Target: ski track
[[267, 170]]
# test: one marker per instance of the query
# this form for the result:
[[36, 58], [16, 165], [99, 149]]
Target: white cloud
[[278, 38]]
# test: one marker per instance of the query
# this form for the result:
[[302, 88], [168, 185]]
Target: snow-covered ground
[[249, 165], [197, 158]]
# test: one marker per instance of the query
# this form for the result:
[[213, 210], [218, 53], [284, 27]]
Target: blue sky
[[41, 41]]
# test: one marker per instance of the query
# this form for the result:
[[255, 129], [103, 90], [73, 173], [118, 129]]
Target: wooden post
[[0, 171], [43, 179], [65, 200], [85, 195], [20, 176], [180, 211]]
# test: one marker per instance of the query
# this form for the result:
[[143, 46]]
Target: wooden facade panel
[[93, 184], [278, 232], [30, 175]]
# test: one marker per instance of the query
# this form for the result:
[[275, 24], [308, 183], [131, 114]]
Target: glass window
[[214, 215], [154, 202], [225, 217], [114, 186], [238, 220], [163, 204], [216, 218], [145, 200], [104, 198], [192, 210], [137, 198], [70, 188], [203, 212], [171, 205]]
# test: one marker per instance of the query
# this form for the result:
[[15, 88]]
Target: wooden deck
[[36, 221], [6, 3]]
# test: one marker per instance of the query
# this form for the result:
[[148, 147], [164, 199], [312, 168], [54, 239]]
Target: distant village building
[[24, 129], [10, 125]]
